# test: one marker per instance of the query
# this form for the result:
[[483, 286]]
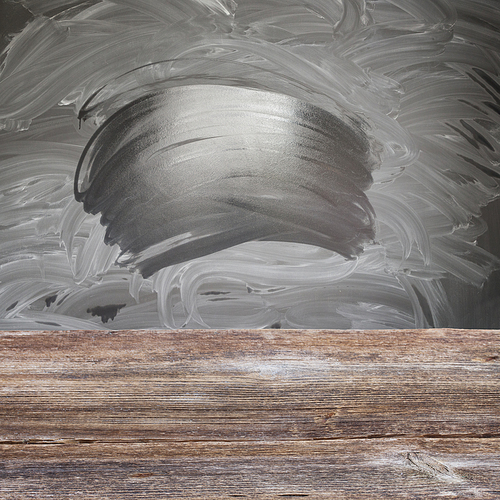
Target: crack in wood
[[72, 441]]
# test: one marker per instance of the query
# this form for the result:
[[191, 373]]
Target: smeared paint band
[[183, 173]]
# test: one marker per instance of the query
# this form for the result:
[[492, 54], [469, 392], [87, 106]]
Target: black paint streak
[[483, 168], [49, 323], [493, 106], [490, 81], [13, 18], [63, 298], [485, 87], [50, 300], [12, 306], [477, 136], [106, 312]]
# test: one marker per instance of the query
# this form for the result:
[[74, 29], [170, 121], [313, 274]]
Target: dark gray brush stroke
[[168, 165]]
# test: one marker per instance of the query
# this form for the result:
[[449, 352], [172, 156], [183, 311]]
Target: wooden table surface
[[250, 414]]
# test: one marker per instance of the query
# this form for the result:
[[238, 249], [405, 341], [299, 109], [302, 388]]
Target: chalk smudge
[[315, 164]]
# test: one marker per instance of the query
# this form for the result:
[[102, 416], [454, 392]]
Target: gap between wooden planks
[[250, 414]]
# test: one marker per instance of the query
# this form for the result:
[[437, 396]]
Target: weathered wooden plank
[[365, 468], [254, 385], [204, 414]]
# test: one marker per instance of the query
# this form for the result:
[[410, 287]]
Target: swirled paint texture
[[249, 164]]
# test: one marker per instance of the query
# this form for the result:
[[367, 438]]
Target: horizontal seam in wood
[[66, 441]]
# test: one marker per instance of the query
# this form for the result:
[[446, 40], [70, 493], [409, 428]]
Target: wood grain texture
[[257, 414]]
